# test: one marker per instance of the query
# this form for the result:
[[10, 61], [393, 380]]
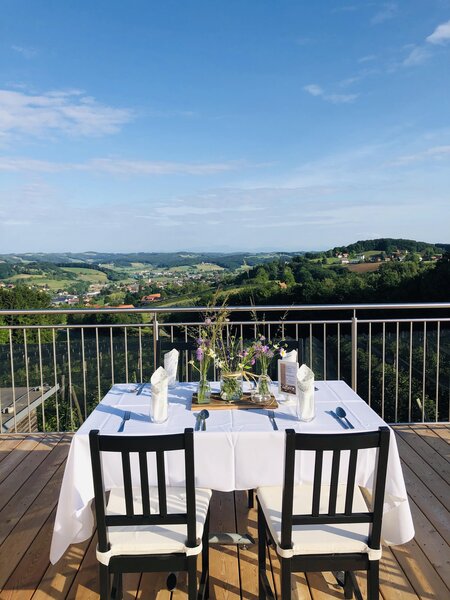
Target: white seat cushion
[[154, 539], [316, 539]]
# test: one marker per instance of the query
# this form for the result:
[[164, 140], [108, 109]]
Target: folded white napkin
[[171, 365], [305, 394], [290, 356], [159, 404]]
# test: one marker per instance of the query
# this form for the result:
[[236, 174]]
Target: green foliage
[[23, 298]]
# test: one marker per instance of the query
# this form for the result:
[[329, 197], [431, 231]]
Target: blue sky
[[222, 125]]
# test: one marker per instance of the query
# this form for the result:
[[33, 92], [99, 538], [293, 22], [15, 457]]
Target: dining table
[[236, 449]]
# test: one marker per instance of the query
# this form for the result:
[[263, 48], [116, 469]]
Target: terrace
[[395, 357]]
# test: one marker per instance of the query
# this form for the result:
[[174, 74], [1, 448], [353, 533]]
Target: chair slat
[[145, 487], [317, 482], [161, 483], [351, 481], [128, 488], [190, 489], [334, 482]]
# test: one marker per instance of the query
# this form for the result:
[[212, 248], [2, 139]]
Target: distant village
[[165, 281]]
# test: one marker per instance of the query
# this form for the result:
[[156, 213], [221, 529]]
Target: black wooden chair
[[143, 528], [324, 526]]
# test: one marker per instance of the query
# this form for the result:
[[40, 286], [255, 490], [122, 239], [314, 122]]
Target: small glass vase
[[231, 386], [262, 392], [203, 391]]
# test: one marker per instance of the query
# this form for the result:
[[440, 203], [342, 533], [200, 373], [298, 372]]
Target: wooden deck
[[31, 469]]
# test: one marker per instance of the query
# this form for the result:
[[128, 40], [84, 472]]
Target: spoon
[[343, 415], [204, 414]]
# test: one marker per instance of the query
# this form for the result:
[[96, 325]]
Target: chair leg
[[117, 587], [348, 586], [286, 568], [204, 581], [373, 580], [261, 553], [192, 577], [104, 579]]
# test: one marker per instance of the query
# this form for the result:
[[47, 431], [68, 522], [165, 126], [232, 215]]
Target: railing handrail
[[203, 309]]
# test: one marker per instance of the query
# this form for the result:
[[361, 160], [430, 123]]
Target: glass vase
[[262, 392], [231, 386], [203, 391]]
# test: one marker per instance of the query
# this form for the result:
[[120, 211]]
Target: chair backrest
[[142, 446], [187, 352], [335, 443]]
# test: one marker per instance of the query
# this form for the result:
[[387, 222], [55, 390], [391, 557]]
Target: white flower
[[283, 352]]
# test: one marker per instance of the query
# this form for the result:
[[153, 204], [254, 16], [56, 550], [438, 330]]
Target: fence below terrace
[[396, 357]]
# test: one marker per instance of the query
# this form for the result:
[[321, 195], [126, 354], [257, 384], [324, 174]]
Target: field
[[87, 275], [42, 281], [364, 267], [208, 267]]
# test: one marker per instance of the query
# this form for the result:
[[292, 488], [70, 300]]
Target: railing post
[[155, 340], [354, 351]]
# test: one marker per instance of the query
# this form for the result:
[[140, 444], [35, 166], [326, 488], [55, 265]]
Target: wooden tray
[[216, 403]]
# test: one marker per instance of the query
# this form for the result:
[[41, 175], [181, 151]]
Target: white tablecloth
[[238, 451]]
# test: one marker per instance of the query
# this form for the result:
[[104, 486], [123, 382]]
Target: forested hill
[[303, 281], [156, 259], [390, 245]]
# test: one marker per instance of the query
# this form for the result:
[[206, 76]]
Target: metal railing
[[57, 365]]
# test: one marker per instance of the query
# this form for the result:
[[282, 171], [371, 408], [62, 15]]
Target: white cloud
[[417, 56], [341, 98], [313, 89], [68, 112], [388, 11], [26, 51], [367, 58], [441, 35], [420, 54], [436, 153], [316, 90], [114, 166]]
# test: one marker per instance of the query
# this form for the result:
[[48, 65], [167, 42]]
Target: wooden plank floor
[[31, 469]]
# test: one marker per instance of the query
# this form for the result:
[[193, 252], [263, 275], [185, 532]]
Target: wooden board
[[216, 403]]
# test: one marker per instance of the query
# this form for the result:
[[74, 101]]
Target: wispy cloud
[[417, 56], [441, 35], [367, 58], [435, 153], [69, 112], [316, 90], [421, 53], [388, 11], [114, 166], [27, 52]]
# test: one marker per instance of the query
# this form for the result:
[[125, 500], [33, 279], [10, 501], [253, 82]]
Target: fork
[[271, 416], [126, 417]]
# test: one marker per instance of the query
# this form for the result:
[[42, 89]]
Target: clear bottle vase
[[231, 386], [262, 392], [203, 391]]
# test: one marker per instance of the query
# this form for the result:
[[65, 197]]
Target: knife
[[271, 416]]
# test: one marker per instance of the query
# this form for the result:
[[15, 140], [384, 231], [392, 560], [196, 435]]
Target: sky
[[222, 125]]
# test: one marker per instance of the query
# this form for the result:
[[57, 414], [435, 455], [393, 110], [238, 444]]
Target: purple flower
[[208, 321], [199, 354]]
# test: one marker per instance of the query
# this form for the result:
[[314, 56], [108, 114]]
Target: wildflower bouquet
[[263, 352]]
